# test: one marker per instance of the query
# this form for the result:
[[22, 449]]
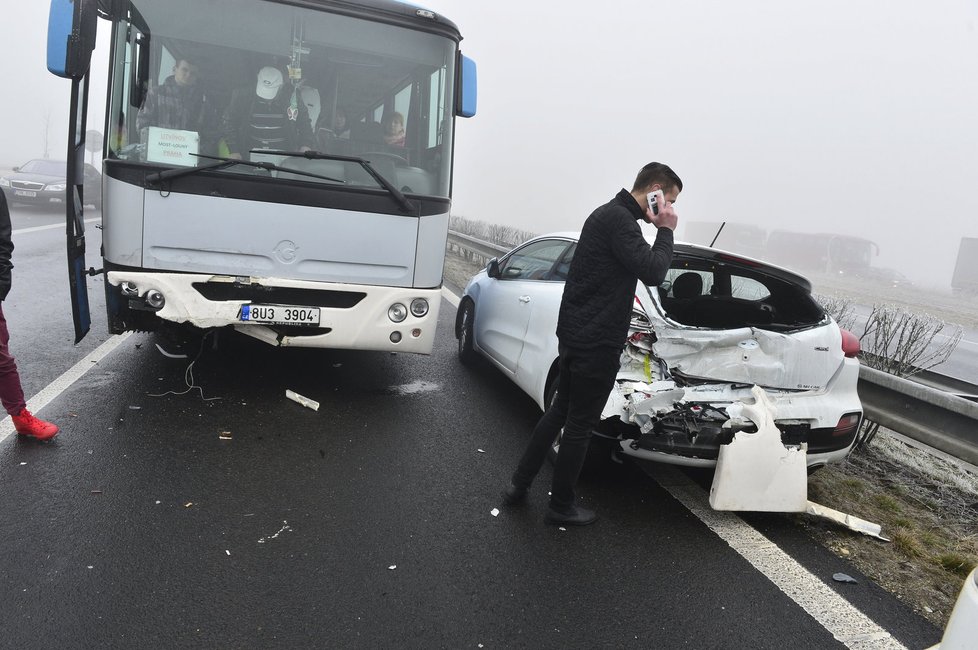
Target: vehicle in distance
[[717, 325], [43, 182]]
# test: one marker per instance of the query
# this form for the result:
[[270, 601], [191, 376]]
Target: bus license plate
[[280, 315], [24, 193]]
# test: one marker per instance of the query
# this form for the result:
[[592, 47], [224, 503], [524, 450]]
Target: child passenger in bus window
[[394, 130]]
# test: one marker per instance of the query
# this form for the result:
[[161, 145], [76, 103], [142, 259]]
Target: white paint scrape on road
[[59, 385], [837, 615]]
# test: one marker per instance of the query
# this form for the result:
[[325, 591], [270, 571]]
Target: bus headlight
[[419, 307], [397, 312], [155, 299]]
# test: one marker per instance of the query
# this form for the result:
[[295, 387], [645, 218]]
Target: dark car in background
[[43, 182]]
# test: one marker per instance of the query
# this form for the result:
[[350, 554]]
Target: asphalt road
[[366, 523]]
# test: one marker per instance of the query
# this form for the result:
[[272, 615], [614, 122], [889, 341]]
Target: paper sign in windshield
[[172, 146]]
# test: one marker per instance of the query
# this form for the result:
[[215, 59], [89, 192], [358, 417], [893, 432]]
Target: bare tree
[[841, 309], [903, 343]]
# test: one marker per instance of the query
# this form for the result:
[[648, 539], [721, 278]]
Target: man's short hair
[[654, 173]]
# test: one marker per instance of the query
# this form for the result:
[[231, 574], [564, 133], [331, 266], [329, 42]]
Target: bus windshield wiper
[[377, 176], [219, 162]]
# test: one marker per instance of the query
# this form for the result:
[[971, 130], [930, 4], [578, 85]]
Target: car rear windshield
[[727, 295]]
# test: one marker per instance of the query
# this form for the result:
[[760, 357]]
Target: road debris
[[481, 451], [227, 551], [756, 471], [170, 355], [494, 512], [846, 578], [849, 521], [224, 435], [285, 527], [305, 401], [392, 567], [96, 491], [188, 504]]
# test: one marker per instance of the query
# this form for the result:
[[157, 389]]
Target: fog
[[854, 118]]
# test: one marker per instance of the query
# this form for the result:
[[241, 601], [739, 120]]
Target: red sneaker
[[28, 425]]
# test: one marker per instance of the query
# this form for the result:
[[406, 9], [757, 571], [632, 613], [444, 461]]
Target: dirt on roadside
[[927, 506]]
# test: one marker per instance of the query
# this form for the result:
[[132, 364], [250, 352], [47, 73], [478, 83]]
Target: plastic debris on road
[[494, 512], [300, 399], [392, 567], [849, 521], [170, 355], [756, 471], [845, 577], [224, 435]]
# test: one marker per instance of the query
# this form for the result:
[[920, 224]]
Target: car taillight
[[847, 425], [850, 344]]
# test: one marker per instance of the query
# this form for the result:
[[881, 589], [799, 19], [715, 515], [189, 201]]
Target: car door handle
[[524, 298]]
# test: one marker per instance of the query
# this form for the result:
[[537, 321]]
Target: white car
[[962, 626], [718, 325]]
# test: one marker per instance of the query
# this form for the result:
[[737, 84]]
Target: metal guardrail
[[937, 419], [471, 248], [932, 416]]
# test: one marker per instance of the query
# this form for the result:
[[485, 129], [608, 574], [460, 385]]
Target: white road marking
[[837, 615], [21, 231], [833, 612], [62, 383], [450, 297]]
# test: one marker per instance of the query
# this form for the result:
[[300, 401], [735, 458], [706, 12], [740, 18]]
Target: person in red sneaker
[[11, 392]]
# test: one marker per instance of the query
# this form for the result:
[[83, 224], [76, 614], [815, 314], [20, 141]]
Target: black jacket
[[600, 289], [239, 132], [6, 248]]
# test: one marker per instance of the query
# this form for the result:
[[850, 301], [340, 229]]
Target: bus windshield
[[195, 80]]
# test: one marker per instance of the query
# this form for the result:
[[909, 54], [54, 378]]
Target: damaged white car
[[718, 325]]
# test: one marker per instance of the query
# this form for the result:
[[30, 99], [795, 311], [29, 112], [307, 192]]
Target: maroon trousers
[[11, 392]]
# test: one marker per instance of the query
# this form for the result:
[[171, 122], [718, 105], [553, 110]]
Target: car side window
[[563, 266], [534, 261]]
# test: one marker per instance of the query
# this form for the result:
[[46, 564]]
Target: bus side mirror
[[71, 37], [465, 104]]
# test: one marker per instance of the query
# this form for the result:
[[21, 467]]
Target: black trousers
[[586, 378]]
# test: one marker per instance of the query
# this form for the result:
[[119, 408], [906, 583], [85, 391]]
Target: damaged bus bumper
[[279, 311]]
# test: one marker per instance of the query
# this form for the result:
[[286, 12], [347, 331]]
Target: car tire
[[466, 319]]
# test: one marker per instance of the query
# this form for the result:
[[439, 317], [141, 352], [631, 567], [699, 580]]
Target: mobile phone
[[656, 199]]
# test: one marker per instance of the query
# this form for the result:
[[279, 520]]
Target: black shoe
[[576, 516], [514, 495]]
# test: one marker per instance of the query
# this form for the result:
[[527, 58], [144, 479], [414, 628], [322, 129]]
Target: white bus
[[210, 219]]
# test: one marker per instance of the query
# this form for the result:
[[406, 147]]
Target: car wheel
[[466, 354]]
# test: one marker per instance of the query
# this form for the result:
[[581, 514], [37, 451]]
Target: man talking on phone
[[592, 326]]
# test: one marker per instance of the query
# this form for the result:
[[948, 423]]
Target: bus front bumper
[[351, 316]]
